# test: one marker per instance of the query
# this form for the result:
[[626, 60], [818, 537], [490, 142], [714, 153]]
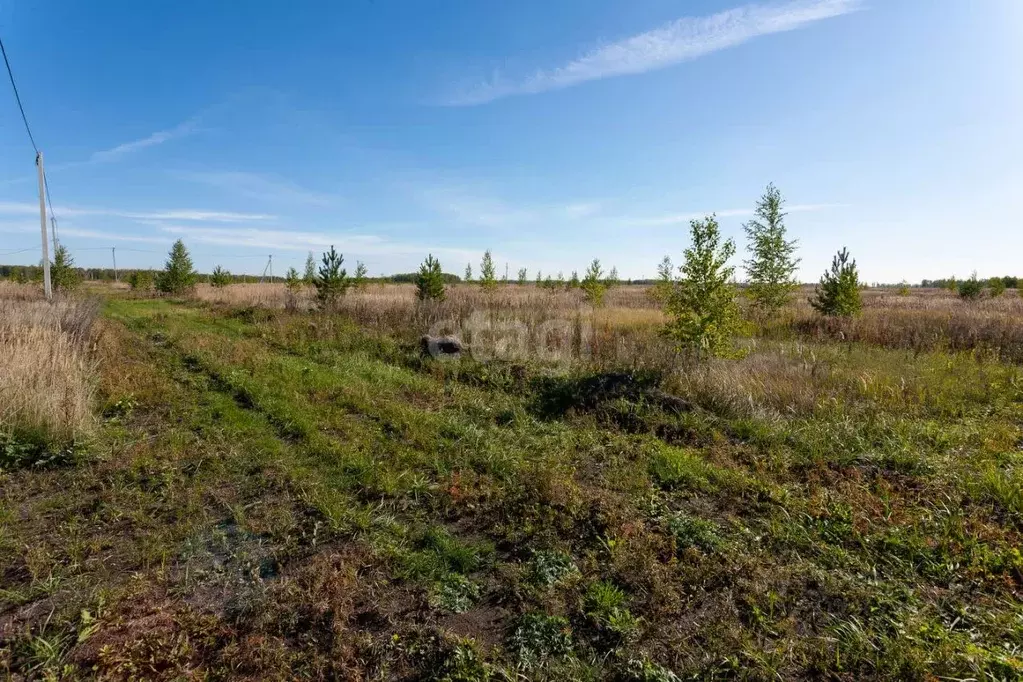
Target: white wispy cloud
[[26, 208], [360, 244], [682, 218], [159, 137], [678, 41], [258, 186]]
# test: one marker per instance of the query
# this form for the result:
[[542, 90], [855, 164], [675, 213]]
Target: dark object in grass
[[558, 395], [441, 347]]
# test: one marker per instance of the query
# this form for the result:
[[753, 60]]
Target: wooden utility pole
[[47, 288], [113, 252]]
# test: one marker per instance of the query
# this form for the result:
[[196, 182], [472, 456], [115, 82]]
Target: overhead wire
[[31, 137]]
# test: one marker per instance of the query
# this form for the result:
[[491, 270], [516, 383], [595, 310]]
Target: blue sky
[[551, 132]]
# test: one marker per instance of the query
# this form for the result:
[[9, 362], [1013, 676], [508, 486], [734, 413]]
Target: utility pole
[[113, 252], [47, 288], [271, 268]]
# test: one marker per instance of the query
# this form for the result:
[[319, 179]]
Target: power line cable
[[11, 253], [14, 85]]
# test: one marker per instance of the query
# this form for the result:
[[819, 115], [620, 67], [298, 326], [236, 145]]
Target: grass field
[[262, 493]]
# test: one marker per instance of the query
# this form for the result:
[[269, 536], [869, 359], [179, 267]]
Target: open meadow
[[235, 485]]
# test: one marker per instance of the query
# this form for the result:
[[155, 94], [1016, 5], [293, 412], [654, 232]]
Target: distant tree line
[[951, 283]]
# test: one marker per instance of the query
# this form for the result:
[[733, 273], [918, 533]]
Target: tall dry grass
[[47, 379], [624, 330]]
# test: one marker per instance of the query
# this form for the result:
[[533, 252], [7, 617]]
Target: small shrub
[[178, 275], [838, 294], [293, 285], [140, 280], [220, 278], [430, 281], [331, 281], [903, 289], [996, 285], [971, 289], [539, 638]]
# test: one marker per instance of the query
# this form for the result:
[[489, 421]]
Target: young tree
[[702, 308], [359, 279], [430, 282], [488, 279], [468, 272], [331, 280], [220, 277], [838, 294], [559, 282], [539, 278], [573, 281], [771, 267], [309, 276], [665, 280], [523, 275], [952, 285], [178, 275], [971, 289], [612, 281], [592, 285], [293, 285], [63, 274], [997, 286]]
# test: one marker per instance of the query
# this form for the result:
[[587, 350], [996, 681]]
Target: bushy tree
[[997, 286], [838, 294], [359, 279], [702, 308], [523, 276], [309, 276], [178, 275], [593, 285], [430, 282], [331, 280], [559, 281], [468, 272], [952, 285], [971, 289], [63, 273], [220, 277], [573, 281], [140, 280], [772, 266], [488, 277]]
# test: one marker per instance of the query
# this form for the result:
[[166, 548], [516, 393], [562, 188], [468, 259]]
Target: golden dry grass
[[46, 375]]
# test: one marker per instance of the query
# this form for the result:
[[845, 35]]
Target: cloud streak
[[678, 41], [159, 137], [23, 208], [681, 218]]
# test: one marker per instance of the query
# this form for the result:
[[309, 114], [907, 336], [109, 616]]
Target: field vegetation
[[614, 482]]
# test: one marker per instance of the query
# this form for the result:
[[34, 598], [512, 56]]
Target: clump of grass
[[46, 375], [456, 593], [677, 468], [605, 606]]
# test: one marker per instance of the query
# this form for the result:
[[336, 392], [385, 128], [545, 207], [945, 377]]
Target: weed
[[539, 638], [548, 568]]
